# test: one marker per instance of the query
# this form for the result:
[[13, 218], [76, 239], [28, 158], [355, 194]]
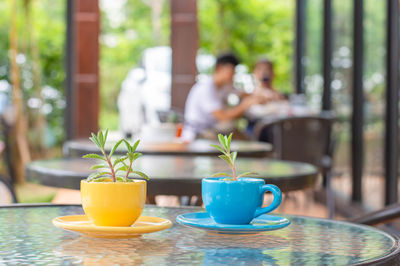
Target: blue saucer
[[262, 223]]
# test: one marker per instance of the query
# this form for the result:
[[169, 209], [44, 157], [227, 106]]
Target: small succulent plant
[[115, 170], [229, 157]]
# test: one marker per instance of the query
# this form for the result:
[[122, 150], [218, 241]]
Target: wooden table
[[28, 237], [177, 175], [201, 147]]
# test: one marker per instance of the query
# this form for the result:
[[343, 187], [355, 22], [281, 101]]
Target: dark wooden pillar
[[300, 45], [327, 56], [392, 103], [184, 43], [357, 122], [82, 67]]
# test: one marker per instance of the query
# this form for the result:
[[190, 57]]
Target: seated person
[[263, 74], [264, 77], [206, 103]]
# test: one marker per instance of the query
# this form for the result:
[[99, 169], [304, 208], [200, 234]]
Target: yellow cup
[[113, 203]]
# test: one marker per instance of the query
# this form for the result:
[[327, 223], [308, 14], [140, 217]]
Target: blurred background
[[134, 43]]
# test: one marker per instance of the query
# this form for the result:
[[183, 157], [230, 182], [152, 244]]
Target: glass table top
[[28, 236], [177, 171], [198, 147]]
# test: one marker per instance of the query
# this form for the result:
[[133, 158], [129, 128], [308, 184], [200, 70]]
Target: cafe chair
[[7, 193], [307, 139], [6, 182], [383, 216]]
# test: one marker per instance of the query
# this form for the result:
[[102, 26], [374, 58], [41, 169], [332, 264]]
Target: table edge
[[380, 261]]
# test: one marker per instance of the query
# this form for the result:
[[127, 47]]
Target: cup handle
[[275, 203]]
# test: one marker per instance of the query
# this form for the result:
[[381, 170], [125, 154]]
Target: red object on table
[[179, 128]]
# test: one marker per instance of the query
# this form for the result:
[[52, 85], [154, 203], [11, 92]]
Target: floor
[[4, 195], [373, 182], [373, 189]]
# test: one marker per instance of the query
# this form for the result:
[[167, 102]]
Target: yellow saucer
[[81, 224]]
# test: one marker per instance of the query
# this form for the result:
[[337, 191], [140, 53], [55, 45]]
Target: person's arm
[[268, 95], [243, 94], [237, 111]]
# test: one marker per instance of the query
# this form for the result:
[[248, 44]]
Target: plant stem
[[110, 164], [233, 172], [232, 165], [129, 169]]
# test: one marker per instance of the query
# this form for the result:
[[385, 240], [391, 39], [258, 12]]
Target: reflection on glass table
[[28, 237]]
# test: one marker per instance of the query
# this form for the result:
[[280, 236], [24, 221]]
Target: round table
[[201, 147], [177, 175], [28, 237]]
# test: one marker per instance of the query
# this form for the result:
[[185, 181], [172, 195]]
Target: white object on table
[[163, 132], [278, 108]]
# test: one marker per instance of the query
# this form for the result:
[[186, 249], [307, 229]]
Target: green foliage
[[229, 157], [251, 29], [48, 27], [118, 170]]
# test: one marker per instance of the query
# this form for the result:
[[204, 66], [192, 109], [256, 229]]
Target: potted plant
[[232, 198], [110, 197]]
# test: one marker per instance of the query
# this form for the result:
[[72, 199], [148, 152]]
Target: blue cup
[[237, 202]]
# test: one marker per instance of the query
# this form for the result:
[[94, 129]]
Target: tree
[[251, 29], [21, 153]]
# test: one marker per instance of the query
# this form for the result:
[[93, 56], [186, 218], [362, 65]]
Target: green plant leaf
[[105, 136], [246, 174], [98, 174], [95, 140], [94, 156], [101, 138], [141, 174], [218, 147], [128, 146], [101, 179], [123, 179], [221, 175], [229, 179], [229, 141], [115, 147], [98, 166], [122, 168], [136, 155], [233, 156], [226, 143], [135, 145], [116, 171], [120, 179], [119, 160], [221, 139], [226, 159]]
